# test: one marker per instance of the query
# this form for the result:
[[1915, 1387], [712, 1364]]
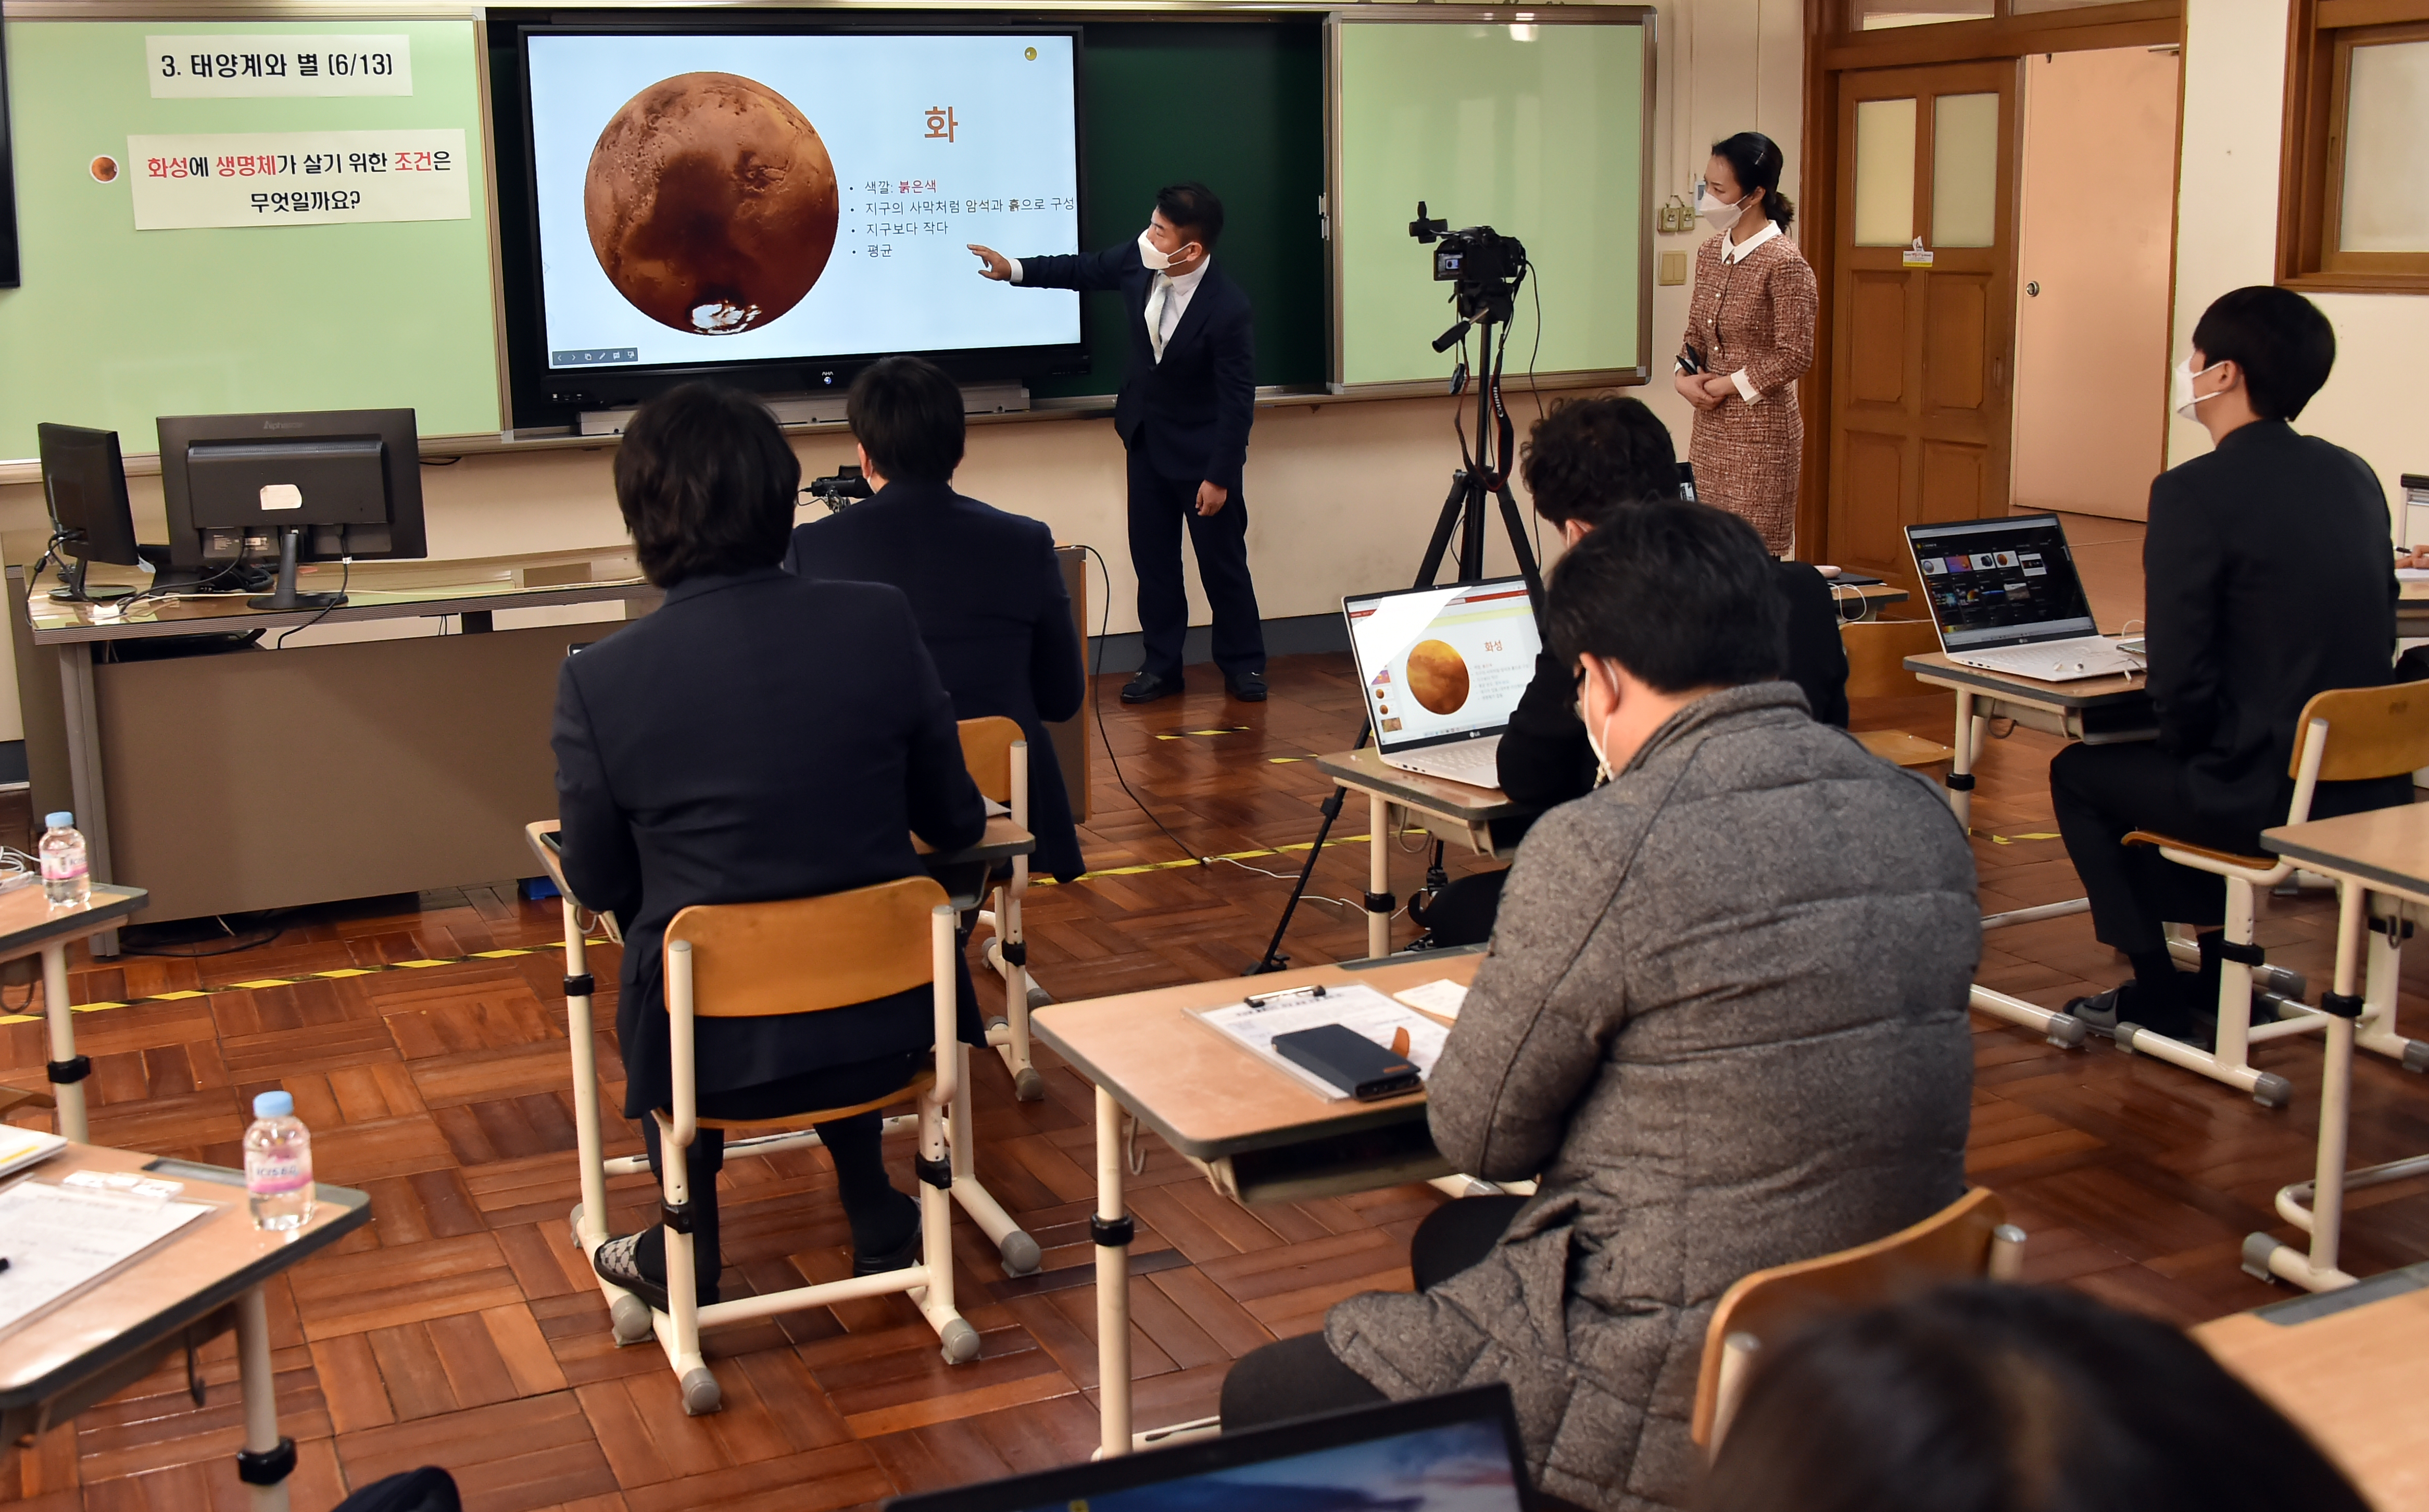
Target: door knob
[[2033, 289]]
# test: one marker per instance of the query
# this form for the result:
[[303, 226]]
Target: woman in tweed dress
[[1750, 331]]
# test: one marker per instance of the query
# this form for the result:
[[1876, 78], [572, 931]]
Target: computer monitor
[[84, 482], [1460, 1450], [311, 486]]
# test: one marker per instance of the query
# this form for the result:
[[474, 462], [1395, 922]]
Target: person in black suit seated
[[1184, 414], [2266, 578], [983, 584], [759, 737], [1585, 458]]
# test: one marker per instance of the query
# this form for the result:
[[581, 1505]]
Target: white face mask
[[2188, 403], [1720, 212], [1156, 258], [1602, 763]]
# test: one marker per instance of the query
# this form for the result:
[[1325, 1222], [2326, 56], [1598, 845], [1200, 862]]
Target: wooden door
[[1923, 305]]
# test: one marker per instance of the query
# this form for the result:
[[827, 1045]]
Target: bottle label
[[58, 867], [266, 1177]]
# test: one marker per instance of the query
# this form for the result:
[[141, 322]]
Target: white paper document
[[1440, 999], [1357, 1007], [57, 1240]]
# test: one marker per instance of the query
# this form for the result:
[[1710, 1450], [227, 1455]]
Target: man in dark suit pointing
[[1184, 414]]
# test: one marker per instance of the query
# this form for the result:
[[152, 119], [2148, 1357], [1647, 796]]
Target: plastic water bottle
[[278, 1163], [66, 880]]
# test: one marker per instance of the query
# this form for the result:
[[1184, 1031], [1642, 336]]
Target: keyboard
[[1477, 763]]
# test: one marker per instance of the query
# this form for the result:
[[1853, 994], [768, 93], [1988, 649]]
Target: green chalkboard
[[114, 326], [1238, 105], [1536, 129]]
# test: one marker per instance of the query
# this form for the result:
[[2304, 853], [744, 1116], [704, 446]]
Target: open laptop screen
[[2000, 582], [1446, 662], [1449, 1454]]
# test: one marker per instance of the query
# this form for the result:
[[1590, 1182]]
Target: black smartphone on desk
[[1349, 1061]]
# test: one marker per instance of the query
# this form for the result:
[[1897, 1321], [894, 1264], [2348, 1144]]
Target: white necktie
[[1155, 298]]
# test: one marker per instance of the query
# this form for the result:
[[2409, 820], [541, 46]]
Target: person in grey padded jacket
[[1722, 1019]]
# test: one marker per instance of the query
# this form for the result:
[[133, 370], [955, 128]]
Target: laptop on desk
[[1455, 1453], [1442, 670], [2005, 598]]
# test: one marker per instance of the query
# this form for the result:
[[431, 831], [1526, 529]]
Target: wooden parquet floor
[[460, 1328]]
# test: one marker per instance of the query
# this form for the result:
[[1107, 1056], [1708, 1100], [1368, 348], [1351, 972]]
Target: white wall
[[1341, 497], [2235, 92]]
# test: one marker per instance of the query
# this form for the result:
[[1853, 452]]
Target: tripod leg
[[1273, 960], [1472, 521], [1454, 502], [1516, 525]]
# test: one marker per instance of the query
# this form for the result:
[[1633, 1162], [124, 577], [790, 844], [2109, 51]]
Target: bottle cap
[[61, 820], [275, 1104]]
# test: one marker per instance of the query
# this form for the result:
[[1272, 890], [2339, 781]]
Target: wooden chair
[[1877, 654], [2346, 734], [997, 754], [805, 956], [1968, 1240]]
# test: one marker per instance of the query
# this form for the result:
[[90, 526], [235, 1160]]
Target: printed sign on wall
[[225, 68], [297, 178]]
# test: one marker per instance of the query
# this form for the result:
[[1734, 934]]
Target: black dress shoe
[[1248, 687], [1147, 688], [2126, 1003], [901, 1256]]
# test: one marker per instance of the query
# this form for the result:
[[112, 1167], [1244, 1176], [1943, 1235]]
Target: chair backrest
[[1967, 1239], [986, 750], [803, 954], [2372, 732], [1876, 652]]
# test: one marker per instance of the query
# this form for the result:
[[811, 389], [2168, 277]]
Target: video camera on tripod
[[1486, 266]]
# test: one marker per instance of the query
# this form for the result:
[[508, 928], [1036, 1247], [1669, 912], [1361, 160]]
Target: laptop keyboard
[[1478, 762], [2046, 662]]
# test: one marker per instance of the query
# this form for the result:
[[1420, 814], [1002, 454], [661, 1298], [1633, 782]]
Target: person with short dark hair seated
[[758, 737], [2266, 578], [1584, 459], [984, 585], [1723, 1021], [2009, 1399]]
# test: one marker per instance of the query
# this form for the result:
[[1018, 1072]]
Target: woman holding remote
[[1750, 338]]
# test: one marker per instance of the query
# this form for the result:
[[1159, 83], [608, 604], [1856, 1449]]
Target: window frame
[[2319, 73]]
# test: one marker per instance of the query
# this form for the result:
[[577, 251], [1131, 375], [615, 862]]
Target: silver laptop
[[2005, 598], [1444, 668]]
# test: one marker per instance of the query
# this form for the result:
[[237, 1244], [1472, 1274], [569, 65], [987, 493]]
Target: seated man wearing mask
[[2267, 579], [1723, 1021], [1586, 458]]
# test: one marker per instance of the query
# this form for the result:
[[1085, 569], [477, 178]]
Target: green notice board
[[115, 327], [1239, 106], [1537, 131]]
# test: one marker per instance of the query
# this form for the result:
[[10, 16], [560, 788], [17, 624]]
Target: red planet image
[[711, 202]]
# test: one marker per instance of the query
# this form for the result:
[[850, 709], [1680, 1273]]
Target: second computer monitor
[[307, 485], [84, 481]]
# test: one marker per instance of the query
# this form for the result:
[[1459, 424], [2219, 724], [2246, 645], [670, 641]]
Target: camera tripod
[[1474, 487]]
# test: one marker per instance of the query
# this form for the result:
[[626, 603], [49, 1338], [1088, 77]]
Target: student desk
[[1260, 1134], [29, 924], [1869, 599], [2346, 1367], [241, 781], [1452, 811], [197, 1283], [2379, 856]]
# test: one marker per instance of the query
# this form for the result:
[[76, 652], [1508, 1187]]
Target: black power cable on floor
[[1097, 703]]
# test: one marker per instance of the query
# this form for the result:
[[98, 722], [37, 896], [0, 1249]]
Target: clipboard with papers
[[1254, 1022]]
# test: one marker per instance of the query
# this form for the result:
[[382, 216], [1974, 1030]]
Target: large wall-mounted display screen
[[703, 199]]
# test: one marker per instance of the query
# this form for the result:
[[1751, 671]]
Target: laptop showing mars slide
[[1444, 668], [2004, 596]]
